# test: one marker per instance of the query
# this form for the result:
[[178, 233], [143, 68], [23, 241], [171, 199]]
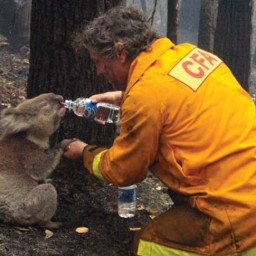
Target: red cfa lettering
[[198, 63], [195, 67]]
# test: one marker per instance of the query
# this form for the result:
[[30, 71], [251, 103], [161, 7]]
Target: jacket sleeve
[[127, 161], [91, 156]]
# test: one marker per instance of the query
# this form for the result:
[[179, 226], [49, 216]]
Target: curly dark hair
[[127, 25]]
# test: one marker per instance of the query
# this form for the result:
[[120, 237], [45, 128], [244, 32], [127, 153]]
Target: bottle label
[[127, 195], [90, 110]]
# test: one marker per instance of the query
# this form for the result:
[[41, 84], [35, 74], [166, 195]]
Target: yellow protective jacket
[[185, 118]]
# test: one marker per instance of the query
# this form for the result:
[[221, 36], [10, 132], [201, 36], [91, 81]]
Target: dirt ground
[[91, 204]]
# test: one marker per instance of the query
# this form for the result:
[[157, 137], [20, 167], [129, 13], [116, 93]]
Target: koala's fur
[[26, 161]]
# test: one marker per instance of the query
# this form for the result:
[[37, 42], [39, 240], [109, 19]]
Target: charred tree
[[7, 17], [15, 22], [172, 20], [56, 67], [207, 25], [232, 37]]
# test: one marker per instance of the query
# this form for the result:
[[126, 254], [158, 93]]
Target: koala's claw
[[66, 142], [48, 180]]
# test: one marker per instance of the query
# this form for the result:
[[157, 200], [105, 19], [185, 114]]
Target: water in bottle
[[127, 201], [105, 112]]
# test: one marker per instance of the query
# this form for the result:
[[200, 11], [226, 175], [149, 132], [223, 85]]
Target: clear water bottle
[[105, 112], [127, 201]]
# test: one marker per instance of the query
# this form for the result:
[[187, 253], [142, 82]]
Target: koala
[[26, 161]]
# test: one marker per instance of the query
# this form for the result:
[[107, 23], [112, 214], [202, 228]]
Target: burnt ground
[[90, 203]]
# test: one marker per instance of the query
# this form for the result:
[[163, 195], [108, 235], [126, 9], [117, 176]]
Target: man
[[185, 118]]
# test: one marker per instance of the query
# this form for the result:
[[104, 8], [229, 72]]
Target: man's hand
[[74, 150], [108, 97], [114, 97]]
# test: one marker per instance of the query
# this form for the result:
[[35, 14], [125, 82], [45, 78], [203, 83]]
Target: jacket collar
[[145, 59]]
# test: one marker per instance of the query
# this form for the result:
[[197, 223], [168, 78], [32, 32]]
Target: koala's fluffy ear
[[13, 121]]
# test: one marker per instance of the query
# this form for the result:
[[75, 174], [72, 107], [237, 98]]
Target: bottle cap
[[69, 104]]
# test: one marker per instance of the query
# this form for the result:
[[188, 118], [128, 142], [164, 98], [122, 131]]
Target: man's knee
[[180, 227]]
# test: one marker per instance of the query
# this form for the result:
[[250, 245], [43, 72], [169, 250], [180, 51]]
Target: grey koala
[[26, 161]]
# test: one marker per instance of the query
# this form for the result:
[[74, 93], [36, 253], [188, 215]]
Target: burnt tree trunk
[[207, 25], [15, 22], [232, 37], [172, 20], [56, 67]]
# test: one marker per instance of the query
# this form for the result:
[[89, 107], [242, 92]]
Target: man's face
[[114, 70]]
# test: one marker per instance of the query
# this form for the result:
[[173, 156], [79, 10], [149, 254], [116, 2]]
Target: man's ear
[[121, 53]]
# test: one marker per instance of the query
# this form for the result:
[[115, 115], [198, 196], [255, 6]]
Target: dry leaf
[[48, 234], [23, 228], [140, 208], [158, 188], [26, 61], [152, 216], [82, 230], [135, 229]]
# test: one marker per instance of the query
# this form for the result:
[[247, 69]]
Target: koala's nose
[[59, 98]]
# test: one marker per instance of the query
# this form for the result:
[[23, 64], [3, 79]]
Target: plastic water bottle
[[127, 201], [105, 112]]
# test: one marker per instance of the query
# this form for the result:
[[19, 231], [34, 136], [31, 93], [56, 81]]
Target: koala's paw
[[64, 143], [46, 180]]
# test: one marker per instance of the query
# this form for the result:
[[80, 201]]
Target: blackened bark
[[172, 20], [207, 25], [232, 37], [56, 67], [15, 22]]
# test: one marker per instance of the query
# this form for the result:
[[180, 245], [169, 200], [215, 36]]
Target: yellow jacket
[[185, 118]]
